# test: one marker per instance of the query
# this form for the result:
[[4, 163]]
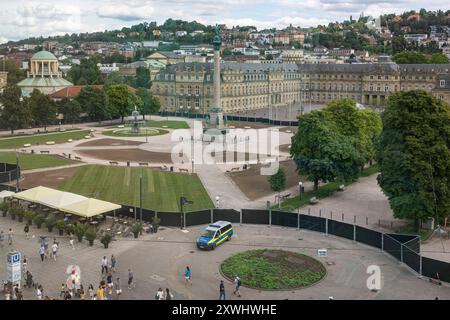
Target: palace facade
[[247, 86]]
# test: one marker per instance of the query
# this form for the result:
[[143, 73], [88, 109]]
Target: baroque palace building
[[247, 86]]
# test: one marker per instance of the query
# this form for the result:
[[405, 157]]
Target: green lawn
[[142, 133], [324, 191], [171, 124], [33, 161], [273, 269], [161, 190], [59, 137]]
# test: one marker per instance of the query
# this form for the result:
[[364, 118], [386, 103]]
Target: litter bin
[[171, 169], [128, 163]]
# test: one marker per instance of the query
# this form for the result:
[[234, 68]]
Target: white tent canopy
[[66, 201], [61, 199], [90, 207], [5, 194]]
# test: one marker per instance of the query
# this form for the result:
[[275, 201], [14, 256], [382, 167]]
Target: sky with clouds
[[25, 18]]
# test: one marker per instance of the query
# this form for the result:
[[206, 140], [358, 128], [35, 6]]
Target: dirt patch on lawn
[[255, 186], [49, 178], [109, 142], [133, 155]]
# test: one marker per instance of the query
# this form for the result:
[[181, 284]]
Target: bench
[[183, 170], [50, 143], [285, 196], [114, 163], [143, 164], [64, 155], [236, 169], [121, 126], [87, 137], [77, 158], [23, 150], [26, 145], [341, 187], [164, 167], [313, 200], [70, 140], [45, 151]]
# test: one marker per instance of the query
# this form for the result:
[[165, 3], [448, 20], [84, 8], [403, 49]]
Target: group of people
[[237, 286], [43, 249]]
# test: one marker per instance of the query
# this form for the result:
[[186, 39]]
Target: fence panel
[[402, 238], [392, 246], [369, 237], [413, 245], [196, 218], [312, 223], [434, 268], [229, 215], [170, 219], [255, 216], [411, 258], [340, 229], [285, 219]]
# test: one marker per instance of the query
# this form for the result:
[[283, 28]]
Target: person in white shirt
[[54, 250], [39, 292], [104, 265], [160, 294]]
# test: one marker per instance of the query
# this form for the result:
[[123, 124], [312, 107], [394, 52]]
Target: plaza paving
[[158, 260]]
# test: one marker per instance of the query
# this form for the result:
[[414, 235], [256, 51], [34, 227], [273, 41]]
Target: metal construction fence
[[405, 248], [195, 115], [8, 172]]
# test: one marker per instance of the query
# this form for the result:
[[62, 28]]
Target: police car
[[214, 235]]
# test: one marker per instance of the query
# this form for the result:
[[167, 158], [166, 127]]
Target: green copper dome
[[43, 55]]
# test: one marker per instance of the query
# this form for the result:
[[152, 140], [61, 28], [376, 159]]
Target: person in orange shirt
[[100, 293]]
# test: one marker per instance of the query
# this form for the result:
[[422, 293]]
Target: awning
[[6, 194], [37, 193], [66, 201], [56, 201], [90, 207]]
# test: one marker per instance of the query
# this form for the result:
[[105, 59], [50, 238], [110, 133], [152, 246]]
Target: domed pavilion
[[43, 75]]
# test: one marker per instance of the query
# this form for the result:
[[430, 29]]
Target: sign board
[[322, 252], [13, 272]]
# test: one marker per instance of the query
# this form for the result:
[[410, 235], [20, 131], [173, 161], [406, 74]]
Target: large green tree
[[150, 104], [414, 156], [120, 101], [321, 152], [409, 57], [71, 111], [15, 113], [277, 182], [15, 74], [142, 78], [362, 126], [85, 73], [43, 109], [93, 102]]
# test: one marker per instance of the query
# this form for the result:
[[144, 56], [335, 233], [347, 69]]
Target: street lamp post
[[217, 201], [192, 160], [300, 191], [17, 171], [140, 197]]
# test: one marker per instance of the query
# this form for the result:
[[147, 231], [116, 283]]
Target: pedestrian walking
[[54, 250], [25, 264], [104, 265], [42, 252], [63, 290], [71, 240], [26, 230], [168, 295], [109, 283], [187, 275], [40, 292], [100, 293], [159, 294], [82, 293], [91, 291], [10, 237], [113, 263], [237, 286], [118, 287], [130, 278], [221, 290], [2, 238]]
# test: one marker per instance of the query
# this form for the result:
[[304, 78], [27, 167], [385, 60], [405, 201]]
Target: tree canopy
[[414, 156], [15, 113], [85, 73], [43, 109]]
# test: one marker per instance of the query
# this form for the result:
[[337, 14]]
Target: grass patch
[[33, 161], [142, 133], [273, 269], [324, 191], [161, 190], [35, 139], [171, 124]]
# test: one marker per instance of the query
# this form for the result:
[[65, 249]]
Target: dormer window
[[442, 83]]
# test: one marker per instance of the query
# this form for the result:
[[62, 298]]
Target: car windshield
[[208, 234]]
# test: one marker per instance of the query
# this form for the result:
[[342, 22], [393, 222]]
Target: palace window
[[197, 90], [442, 83]]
